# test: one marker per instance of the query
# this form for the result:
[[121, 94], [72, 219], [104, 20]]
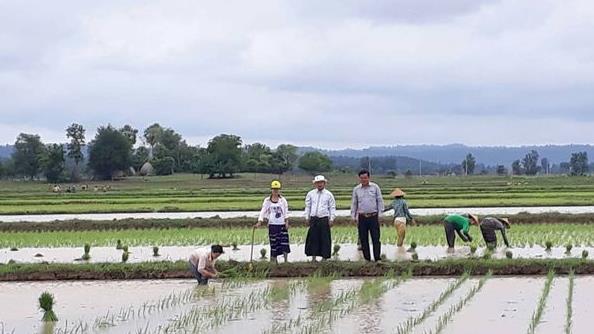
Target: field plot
[[389, 304]]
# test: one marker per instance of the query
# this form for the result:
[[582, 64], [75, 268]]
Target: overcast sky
[[332, 73]]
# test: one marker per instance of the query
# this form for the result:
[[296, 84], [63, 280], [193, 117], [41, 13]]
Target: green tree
[[152, 135], [224, 155], [578, 163], [517, 168], [257, 157], [111, 151], [501, 170], [27, 155], [545, 165], [164, 166], [130, 133], [54, 163], [530, 163], [284, 158], [315, 162], [468, 164], [139, 157], [76, 133]]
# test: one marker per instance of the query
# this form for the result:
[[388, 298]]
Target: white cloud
[[331, 74]]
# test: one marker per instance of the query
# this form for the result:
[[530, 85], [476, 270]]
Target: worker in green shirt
[[458, 224]]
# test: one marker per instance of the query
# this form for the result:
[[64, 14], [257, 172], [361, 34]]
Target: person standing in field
[[366, 206], [489, 225], [401, 214], [202, 263], [320, 212], [459, 224], [275, 211]]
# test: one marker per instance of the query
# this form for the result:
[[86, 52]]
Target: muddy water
[[583, 304], [502, 306], [553, 317], [253, 214], [348, 252]]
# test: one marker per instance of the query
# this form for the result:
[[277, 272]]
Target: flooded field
[[348, 252], [297, 213], [316, 305]]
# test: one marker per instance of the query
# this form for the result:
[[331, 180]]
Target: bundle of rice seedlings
[[46, 303]]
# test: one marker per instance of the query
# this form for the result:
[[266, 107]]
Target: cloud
[[330, 74]]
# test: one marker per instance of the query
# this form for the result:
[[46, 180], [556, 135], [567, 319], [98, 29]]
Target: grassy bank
[[425, 235], [187, 192], [164, 270]]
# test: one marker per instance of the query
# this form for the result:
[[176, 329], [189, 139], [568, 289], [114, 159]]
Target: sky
[[329, 74]]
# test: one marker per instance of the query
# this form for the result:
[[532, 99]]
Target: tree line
[[114, 152]]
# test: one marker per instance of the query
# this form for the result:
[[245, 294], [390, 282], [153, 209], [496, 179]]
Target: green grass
[[426, 235], [187, 192]]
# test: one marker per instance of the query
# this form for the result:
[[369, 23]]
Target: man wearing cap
[[320, 212], [459, 224], [489, 225], [366, 206], [202, 263], [401, 214]]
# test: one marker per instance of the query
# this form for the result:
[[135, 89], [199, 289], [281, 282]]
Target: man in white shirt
[[367, 204], [202, 263], [320, 212]]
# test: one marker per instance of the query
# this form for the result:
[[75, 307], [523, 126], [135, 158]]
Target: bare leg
[[286, 256]]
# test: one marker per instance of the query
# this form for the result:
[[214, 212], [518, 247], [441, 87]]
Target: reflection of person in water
[[489, 225], [275, 210]]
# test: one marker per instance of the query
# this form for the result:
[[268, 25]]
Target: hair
[[216, 249], [364, 171]]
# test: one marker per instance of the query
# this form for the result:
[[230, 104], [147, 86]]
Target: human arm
[[307, 207], [407, 212], [504, 235], [331, 208], [354, 204], [379, 200], [263, 212], [286, 210]]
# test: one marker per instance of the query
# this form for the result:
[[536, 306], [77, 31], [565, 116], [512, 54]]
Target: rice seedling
[[119, 244], [473, 248], [263, 253], [412, 322], [542, 302], [445, 318], [13, 249], [491, 248], [125, 256], [415, 257], [568, 248], [125, 248], [87, 249], [569, 304], [234, 244], [549, 245], [156, 251], [487, 254], [335, 250], [413, 247], [509, 254], [46, 303], [584, 254], [38, 255]]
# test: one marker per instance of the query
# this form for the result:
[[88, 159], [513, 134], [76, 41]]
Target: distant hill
[[455, 153], [6, 151]]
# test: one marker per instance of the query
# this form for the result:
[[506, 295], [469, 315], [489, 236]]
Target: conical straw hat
[[397, 193]]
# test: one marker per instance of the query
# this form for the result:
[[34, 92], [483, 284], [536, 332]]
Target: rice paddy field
[[189, 192], [130, 275]]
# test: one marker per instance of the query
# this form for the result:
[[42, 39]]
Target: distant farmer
[[275, 211], [320, 211], [401, 214], [489, 225], [202, 263], [367, 204], [458, 224]]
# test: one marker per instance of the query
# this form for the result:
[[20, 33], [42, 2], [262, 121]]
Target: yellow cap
[[275, 185]]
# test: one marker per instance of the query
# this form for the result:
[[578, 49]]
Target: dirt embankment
[[167, 270]]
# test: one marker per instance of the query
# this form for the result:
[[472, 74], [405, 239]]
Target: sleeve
[[354, 203], [406, 211], [307, 206], [379, 199], [504, 235], [463, 235], [286, 207], [332, 207], [264, 210]]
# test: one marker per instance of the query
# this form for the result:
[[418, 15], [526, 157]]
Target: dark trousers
[[201, 279], [319, 238], [370, 226]]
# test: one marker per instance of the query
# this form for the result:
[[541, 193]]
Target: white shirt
[[276, 213], [320, 204], [200, 259]]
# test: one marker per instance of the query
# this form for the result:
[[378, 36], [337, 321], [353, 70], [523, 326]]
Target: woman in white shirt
[[275, 210]]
